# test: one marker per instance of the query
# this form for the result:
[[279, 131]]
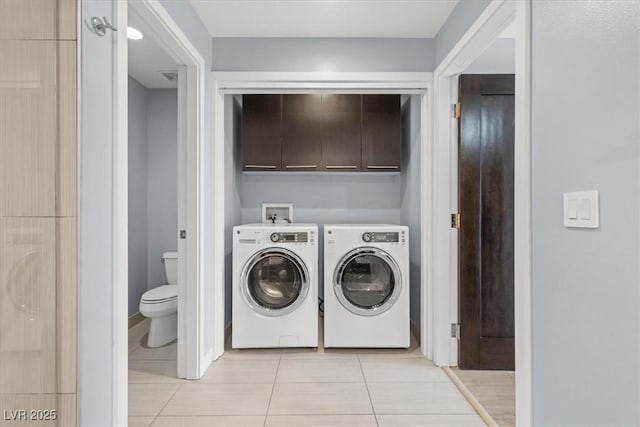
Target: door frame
[[191, 121], [230, 83], [498, 15]]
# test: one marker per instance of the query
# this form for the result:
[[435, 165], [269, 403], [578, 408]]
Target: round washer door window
[[275, 282], [367, 281]]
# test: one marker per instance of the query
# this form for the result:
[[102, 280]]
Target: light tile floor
[[496, 392], [294, 387]]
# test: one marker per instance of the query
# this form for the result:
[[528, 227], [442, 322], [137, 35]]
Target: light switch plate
[[581, 209]]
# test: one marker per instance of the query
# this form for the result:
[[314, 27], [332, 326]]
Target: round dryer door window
[[367, 281], [275, 282]]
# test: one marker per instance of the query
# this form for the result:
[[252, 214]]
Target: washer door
[[367, 281], [275, 282]]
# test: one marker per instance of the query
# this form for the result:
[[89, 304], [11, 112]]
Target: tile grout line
[[165, 405], [275, 378], [364, 379]]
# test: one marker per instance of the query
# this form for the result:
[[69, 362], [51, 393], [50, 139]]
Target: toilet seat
[[161, 294]]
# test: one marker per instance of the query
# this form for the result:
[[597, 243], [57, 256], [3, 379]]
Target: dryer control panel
[[296, 237], [381, 237], [384, 237]]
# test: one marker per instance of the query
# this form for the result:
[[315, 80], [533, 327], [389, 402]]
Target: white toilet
[[161, 305]]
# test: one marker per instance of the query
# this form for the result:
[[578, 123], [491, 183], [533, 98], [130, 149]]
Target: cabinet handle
[[260, 166], [342, 167], [300, 166], [382, 167]]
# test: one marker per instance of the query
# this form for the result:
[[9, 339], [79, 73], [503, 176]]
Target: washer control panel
[[381, 237], [298, 237]]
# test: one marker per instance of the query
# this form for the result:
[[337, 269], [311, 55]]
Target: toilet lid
[[161, 294]]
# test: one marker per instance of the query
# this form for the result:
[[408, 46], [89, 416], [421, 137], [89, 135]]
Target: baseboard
[[134, 319], [488, 419]]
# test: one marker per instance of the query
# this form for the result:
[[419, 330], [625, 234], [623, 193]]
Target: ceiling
[[147, 59], [324, 18]]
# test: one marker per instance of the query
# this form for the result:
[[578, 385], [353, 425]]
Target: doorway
[[497, 17], [227, 84], [192, 351], [153, 81]]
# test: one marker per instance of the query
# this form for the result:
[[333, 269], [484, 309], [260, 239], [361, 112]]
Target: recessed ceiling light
[[134, 34]]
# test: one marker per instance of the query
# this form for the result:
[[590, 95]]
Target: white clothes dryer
[[366, 286], [275, 286]]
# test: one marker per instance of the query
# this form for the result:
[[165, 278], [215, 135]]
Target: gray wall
[[162, 203], [153, 186], [322, 54], [499, 58], [232, 175], [461, 18], [585, 112], [410, 213], [137, 193], [95, 287]]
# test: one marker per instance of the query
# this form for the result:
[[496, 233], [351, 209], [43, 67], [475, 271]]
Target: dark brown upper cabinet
[[381, 133], [261, 132], [301, 132], [342, 133], [321, 132]]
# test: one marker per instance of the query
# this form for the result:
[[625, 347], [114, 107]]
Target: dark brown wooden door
[[486, 182], [301, 132], [342, 135], [381, 133], [261, 132]]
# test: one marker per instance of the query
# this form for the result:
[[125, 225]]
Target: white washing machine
[[275, 286], [366, 286]]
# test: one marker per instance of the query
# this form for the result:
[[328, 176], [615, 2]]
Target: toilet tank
[[171, 267]]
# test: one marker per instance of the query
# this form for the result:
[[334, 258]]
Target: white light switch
[[585, 209], [572, 209], [581, 209]]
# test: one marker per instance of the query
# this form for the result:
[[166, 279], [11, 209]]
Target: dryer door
[[275, 282], [367, 281]]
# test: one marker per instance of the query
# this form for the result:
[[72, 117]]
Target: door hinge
[[455, 330], [183, 234], [457, 107], [455, 221]]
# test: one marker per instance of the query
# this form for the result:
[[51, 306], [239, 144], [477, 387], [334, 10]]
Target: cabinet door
[[342, 136], [38, 20], [261, 132], [381, 133], [301, 132]]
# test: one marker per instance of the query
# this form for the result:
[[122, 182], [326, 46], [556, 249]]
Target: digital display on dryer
[[381, 237], [290, 237]]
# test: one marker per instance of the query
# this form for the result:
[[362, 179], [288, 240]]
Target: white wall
[[162, 196], [138, 236], [410, 213], [586, 135]]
